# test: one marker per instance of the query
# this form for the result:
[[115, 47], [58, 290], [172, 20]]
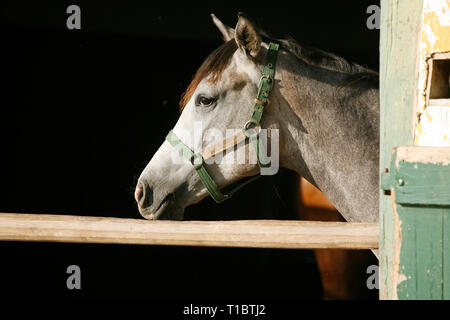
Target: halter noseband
[[250, 130]]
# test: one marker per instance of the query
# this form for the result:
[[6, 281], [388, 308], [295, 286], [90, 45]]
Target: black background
[[83, 111]]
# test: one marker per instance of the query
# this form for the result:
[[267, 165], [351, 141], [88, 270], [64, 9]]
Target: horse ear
[[227, 32], [247, 36]]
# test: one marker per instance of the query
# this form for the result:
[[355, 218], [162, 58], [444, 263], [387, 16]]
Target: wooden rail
[[242, 233]]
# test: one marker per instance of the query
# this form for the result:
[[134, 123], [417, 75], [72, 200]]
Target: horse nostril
[[138, 193], [143, 195]]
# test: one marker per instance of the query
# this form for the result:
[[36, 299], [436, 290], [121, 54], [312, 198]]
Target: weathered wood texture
[[420, 178], [399, 38], [242, 233]]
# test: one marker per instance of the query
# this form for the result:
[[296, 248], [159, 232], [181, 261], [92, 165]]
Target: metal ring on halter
[[247, 128], [194, 157], [270, 78]]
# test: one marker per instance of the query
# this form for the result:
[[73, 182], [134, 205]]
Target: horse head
[[214, 110]]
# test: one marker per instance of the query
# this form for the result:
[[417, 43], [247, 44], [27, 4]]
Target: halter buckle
[[248, 126], [260, 102], [266, 76]]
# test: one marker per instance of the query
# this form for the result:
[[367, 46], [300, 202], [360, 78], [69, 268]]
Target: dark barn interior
[[83, 111]]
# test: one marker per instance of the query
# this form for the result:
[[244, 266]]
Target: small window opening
[[439, 80]]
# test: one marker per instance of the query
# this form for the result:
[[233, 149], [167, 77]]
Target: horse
[[323, 109]]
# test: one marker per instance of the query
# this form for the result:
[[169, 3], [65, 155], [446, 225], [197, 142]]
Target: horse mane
[[327, 60], [219, 59], [318, 57]]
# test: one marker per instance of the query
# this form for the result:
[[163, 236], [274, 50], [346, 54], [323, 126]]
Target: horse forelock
[[212, 67]]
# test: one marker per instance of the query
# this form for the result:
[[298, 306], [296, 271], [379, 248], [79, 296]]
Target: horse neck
[[330, 136]]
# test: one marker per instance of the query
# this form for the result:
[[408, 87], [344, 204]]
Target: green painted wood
[[399, 35], [422, 184], [424, 227], [421, 258], [446, 260]]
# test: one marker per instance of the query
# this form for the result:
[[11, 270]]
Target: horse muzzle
[[166, 209]]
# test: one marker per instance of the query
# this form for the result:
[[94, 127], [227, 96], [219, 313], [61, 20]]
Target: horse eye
[[204, 101]]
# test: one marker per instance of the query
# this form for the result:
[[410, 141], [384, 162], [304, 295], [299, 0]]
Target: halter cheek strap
[[265, 84], [251, 131], [198, 162], [253, 126]]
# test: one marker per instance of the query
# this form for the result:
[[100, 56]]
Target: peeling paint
[[435, 38], [440, 8], [434, 127], [397, 276], [431, 38], [419, 128], [434, 155]]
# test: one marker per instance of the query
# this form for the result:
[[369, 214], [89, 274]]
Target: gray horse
[[326, 111]]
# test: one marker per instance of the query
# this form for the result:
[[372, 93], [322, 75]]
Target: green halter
[[251, 130]]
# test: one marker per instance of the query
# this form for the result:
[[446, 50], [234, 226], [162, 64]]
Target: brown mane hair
[[214, 65]]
